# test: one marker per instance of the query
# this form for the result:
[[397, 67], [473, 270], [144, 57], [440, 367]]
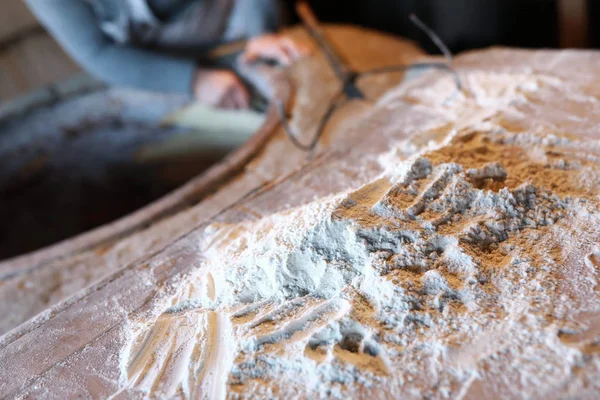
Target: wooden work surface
[[133, 273]]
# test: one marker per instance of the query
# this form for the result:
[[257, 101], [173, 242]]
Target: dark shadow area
[[71, 167], [462, 24]]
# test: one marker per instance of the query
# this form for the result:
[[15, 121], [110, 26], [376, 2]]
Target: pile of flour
[[466, 266], [443, 277]]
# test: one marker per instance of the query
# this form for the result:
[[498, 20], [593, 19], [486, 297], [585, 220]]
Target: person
[[155, 44]]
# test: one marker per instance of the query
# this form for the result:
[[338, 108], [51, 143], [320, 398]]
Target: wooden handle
[[307, 15]]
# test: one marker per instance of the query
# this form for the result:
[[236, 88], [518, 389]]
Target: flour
[[364, 290], [423, 282]]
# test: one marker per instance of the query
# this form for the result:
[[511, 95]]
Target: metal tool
[[348, 77]]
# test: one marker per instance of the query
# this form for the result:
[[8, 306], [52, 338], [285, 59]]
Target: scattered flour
[[414, 285], [468, 268]]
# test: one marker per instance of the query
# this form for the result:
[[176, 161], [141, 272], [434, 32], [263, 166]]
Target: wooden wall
[[14, 18], [29, 58]]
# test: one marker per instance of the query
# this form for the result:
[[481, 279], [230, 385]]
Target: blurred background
[[470, 24], [30, 59], [75, 154]]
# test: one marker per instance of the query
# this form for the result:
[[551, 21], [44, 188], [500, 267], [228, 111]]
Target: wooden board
[[82, 345], [15, 18], [31, 64]]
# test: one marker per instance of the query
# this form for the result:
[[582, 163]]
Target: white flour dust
[[417, 284]]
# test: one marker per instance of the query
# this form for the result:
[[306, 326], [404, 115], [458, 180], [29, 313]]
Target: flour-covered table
[[430, 248]]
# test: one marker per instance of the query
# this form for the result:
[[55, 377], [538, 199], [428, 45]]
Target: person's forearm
[[124, 66], [73, 24]]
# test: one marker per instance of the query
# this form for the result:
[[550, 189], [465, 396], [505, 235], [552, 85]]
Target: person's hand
[[221, 89], [275, 47]]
